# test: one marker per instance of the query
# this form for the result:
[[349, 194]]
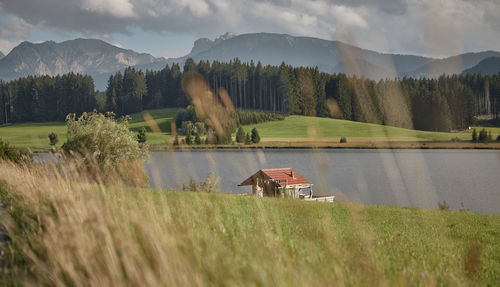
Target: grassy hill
[[301, 128], [294, 129], [65, 233]]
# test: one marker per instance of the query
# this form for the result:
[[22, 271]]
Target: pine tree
[[188, 139], [248, 139], [483, 135], [474, 135], [240, 135], [255, 136]]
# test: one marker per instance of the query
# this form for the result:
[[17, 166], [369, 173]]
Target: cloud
[[14, 27], [416, 26], [115, 8], [7, 45]]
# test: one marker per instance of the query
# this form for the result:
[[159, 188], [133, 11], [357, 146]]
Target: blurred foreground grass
[[68, 232]]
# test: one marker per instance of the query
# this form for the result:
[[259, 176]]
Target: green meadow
[[292, 129], [35, 135], [301, 128]]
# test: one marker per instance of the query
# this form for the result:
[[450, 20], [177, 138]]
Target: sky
[[168, 28]]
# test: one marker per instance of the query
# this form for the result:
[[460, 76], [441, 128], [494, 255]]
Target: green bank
[[232, 240]]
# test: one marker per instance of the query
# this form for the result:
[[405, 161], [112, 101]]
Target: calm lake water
[[415, 178]]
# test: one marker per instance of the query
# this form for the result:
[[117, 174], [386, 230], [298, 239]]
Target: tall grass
[[73, 230]]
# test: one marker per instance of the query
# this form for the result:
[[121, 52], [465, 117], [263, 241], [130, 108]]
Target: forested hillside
[[442, 104]]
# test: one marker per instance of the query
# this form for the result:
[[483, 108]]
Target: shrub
[[200, 128], [102, 140], [197, 139], [187, 128], [10, 153], [474, 135], [498, 138], [255, 136], [456, 139], [240, 135], [210, 184], [248, 139], [53, 139], [246, 117], [443, 206], [188, 139], [343, 139], [483, 135], [141, 136]]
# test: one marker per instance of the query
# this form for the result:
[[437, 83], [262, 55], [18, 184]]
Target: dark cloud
[[383, 25]]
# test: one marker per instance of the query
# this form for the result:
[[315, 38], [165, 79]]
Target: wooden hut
[[279, 182]]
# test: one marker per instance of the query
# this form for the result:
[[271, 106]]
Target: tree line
[[46, 98], [443, 104]]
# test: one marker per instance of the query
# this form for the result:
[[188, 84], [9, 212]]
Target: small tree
[[498, 138], [188, 139], [141, 136], [343, 139], [197, 139], [483, 135], [240, 135], [53, 139], [248, 139], [474, 135], [255, 136]]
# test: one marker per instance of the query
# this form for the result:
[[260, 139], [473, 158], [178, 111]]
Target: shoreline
[[329, 145], [434, 145]]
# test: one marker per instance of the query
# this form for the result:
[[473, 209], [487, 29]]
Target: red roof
[[285, 176]]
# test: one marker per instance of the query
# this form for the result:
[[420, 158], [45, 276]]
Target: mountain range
[[100, 59]]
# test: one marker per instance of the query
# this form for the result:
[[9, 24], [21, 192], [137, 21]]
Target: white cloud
[[116, 8], [348, 17], [15, 27]]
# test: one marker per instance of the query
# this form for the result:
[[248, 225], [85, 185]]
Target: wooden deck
[[321, 198]]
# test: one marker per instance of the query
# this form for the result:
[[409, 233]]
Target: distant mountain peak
[[203, 44], [225, 36], [93, 57]]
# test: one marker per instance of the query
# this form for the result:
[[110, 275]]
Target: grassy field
[[302, 129], [294, 130], [76, 233], [35, 135]]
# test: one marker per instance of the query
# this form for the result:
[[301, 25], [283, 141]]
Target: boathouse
[[279, 182]]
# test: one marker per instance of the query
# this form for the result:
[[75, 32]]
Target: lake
[[414, 178]]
